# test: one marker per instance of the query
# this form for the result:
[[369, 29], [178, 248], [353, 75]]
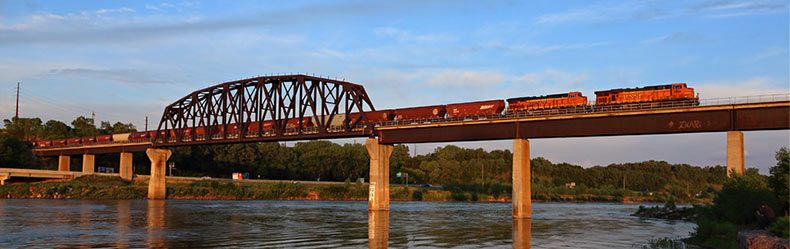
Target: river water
[[323, 224]]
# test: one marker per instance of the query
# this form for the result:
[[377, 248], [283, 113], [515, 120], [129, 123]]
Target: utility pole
[[146, 123], [93, 118], [16, 115]]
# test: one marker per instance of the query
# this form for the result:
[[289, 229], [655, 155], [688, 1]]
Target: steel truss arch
[[267, 108]]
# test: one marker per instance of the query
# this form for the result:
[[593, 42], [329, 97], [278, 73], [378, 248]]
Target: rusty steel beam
[[690, 120]]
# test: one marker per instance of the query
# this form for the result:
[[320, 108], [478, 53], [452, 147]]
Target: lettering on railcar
[[686, 124]]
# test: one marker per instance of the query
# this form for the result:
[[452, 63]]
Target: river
[[323, 224]]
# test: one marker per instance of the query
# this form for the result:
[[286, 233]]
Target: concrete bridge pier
[[522, 199], [64, 163], [379, 189], [88, 163], [3, 179], [125, 169], [156, 184], [735, 162]]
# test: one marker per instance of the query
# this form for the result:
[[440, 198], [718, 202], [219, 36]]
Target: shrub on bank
[[83, 187], [781, 228]]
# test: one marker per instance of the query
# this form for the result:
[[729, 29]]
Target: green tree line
[[31, 129]]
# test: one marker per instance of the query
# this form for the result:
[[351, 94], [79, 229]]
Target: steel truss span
[[269, 108]]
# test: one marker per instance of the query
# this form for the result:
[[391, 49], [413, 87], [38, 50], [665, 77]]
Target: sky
[[125, 60]]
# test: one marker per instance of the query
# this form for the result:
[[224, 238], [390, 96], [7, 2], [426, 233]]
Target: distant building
[[570, 184]]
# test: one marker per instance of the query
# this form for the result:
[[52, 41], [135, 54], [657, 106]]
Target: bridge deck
[[686, 119], [744, 117]]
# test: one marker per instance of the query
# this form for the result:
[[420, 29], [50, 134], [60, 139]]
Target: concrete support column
[[3, 179], [125, 169], [156, 184], [64, 163], [735, 161], [522, 199], [88, 164], [379, 190]]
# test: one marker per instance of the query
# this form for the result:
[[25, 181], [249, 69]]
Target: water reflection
[[156, 223], [124, 209], [321, 224], [522, 233], [378, 229]]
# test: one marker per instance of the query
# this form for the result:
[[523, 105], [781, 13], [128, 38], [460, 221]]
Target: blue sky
[[126, 60]]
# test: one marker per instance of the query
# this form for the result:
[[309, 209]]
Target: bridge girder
[[262, 108]]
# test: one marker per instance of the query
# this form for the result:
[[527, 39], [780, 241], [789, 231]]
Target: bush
[[781, 228], [400, 193], [664, 243], [740, 196], [416, 195], [716, 234]]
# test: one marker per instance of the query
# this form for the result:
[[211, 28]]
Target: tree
[[117, 128], [54, 129], [84, 127], [15, 153], [779, 180], [23, 128]]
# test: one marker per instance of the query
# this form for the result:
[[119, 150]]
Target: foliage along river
[[322, 224]]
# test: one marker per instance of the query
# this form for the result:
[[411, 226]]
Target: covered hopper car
[[553, 101], [422, 112], [475, 108]]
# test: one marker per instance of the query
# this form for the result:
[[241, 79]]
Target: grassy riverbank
[[104, 187]]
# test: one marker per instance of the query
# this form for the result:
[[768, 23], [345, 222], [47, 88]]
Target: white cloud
[[594, 13], [723, 9], [750, 87], [666, 38], [528, 49], [119, 10], [553, 77], [406, 36], [465, 78], [767, 53]]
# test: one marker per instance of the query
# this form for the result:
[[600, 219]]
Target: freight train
[[677, 94]]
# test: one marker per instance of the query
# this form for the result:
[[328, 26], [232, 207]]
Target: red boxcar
[[475, 108], [563, 100], [375, 116], [42, 144], [423, 112], [677, 91], [104, 139], [59, 142], [88, 140], [139, 136], [73, 141]]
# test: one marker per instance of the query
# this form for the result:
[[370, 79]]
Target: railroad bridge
[[302, 107]]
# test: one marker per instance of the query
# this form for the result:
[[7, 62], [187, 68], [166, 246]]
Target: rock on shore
[[761, 239]]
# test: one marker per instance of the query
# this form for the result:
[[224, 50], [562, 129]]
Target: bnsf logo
[[483, 107]]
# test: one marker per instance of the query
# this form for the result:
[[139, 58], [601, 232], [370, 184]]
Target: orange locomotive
[[660, 93], [563, 100]]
